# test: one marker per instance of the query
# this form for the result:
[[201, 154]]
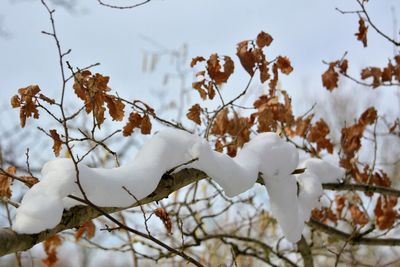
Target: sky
[[308, 32]]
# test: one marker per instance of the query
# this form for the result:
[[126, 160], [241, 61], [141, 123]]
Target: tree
[[200, 222]]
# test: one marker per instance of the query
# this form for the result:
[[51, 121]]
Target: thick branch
[[351, 238], [11, 241]]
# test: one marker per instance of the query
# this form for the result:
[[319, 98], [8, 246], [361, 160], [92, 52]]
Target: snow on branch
[[291, 197]]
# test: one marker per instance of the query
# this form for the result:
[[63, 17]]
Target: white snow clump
[[42, 206]]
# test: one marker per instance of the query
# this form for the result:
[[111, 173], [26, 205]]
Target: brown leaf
[[199, 86], [46, 99], [343, 66], [210, 90], [93, 90], [385, 212], [264, 72], [214, 68], [219, 147], [134, 121], [88, 228], [330, 78], [145, 126], [340, 204], [368, 117], [264, 39], [303, 126], [50, 246], [319, 134], [274, 81], [5, 185], [115, 107], [15, 101], [388, 72], [27, 103], [373, 72], [196, 60], [56, 142], [164, 217], [246, 57], [362, 32], [194, 114], [283, 63], [358, 216], [221, 123]]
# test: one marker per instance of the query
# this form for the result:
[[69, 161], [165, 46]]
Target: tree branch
[[11, 241]]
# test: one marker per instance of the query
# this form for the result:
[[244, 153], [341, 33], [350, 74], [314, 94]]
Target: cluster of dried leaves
[[231, 129], [28, 102], [6, 180], [231, 133], [93, 90], [215, 75], [380, 76]]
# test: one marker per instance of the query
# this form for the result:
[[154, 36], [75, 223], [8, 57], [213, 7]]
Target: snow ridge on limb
[[42, 206]]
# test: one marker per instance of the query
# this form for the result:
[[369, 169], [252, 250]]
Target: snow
[[266, 154]]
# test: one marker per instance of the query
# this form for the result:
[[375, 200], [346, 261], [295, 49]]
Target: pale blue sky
[[306, 31]]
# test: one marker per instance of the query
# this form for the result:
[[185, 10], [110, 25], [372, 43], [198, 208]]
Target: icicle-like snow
[[42, 206]]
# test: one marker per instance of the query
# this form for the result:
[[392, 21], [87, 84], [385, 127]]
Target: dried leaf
[[340, 204], [343, 66], [283, 63], [368, 117], [50, 246], [359, 217], [15, 101], [194, 114], [221, 123], [134, 121], [388, 72], [330, 77], [319, 134], [5, 186], [164, 217], [373, 72], [93, 90], [88, 228], [362, 32], [145, 126], [246, 57], [115, 107], [214, 68], [196, 60], [46, 99], [219, 147], [199, 86], [264, 72], [56, 142], [263, 39], [210, 90], [27, 103]]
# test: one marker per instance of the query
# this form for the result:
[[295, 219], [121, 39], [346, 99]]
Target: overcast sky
[[306, 31]]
